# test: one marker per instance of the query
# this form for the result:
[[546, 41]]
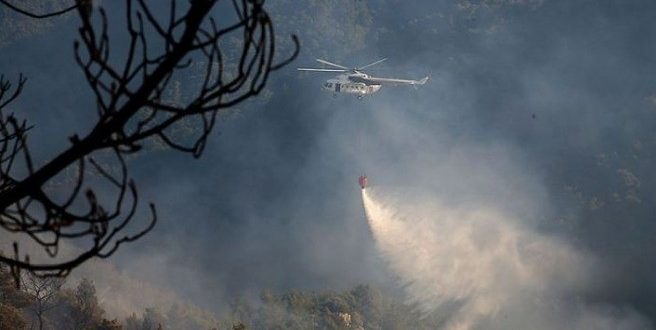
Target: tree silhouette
[[43, 293], [132, 107]]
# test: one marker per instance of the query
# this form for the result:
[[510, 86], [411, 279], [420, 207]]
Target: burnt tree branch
[[132, 107]]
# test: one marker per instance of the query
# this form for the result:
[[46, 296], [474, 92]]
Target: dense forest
[[51, 303]]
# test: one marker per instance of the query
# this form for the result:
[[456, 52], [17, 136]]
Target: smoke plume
[[485, 271]]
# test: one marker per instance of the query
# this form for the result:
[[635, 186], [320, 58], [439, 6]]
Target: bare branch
[[101, 200], [39, 16]]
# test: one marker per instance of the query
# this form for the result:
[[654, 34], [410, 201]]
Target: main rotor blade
[[333, 64], [321, 70], [371, 64], [394, 81]]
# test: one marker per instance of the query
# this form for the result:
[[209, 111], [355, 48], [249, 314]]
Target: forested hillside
[[544, 110], [47, 303]]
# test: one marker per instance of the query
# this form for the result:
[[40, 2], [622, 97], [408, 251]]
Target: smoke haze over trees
[[543, 110], [77, 307]]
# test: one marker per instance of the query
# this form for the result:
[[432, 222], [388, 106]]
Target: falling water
[[476, 259]]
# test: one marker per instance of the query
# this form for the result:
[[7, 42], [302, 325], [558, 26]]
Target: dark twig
[[33, 15], [132, 107]]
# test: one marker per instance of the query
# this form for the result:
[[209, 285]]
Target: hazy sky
[[543, 109]]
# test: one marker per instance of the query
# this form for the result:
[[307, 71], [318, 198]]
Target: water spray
[[473, 257]]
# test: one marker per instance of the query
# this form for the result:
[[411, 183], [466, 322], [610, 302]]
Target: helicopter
[[355, 81]]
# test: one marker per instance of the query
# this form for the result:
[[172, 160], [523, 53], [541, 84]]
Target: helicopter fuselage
[[350, 84]]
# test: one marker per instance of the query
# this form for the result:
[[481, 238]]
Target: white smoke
[[492, 272], [120, 292]]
